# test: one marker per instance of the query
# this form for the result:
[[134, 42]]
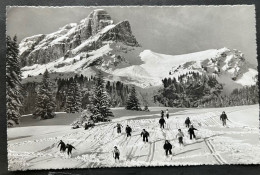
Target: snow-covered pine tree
[[132, 102], [73, 100], [100, 102], [13, 85], [45, 102]]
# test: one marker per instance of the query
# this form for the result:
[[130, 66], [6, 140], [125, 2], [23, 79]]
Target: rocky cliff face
[[91, 34]]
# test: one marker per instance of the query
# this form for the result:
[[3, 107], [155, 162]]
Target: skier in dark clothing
[[145, 135], [70, 147], [62, 146], [167, 147], [224, 118], [162, 113], [118, 126], [191, 132], [116, 153], [167, 113], [162, 122], [128, 130], [187, 122]]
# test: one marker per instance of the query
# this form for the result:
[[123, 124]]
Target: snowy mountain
[[97, 43]]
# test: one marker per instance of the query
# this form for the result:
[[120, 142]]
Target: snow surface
[[67, 64], [36, 147], [158, 65], [248, 78], [28, 42]]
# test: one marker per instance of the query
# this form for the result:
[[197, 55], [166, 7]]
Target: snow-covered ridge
[[164, 63], [228, 65], [153, 67]]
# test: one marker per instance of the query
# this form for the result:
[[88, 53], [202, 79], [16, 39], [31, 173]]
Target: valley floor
[[35, 147]]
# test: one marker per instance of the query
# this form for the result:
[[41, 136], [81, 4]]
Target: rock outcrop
[[90, 34], [227, 61]]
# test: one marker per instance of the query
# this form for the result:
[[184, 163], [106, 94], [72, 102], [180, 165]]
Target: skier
[[187, 122], [167, 113], [128, 130], [145, 135], [70, 147], [116, 153], [118, 126], [180, 136], [62, 146], [191, 132], [162, 113], [162, 122], [167, 147], [223, 118]]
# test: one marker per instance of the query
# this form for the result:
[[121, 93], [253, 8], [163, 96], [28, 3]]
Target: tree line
[[200, 90], [63, 90]]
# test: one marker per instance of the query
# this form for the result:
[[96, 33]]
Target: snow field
[[235, 144]]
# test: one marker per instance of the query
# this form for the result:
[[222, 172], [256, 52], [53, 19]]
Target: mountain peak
[[98, 19], [90, 34]]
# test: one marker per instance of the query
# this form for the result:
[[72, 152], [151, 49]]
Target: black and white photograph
[[131, 86]]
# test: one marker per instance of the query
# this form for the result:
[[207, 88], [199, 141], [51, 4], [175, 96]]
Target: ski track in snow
[[94, 146]]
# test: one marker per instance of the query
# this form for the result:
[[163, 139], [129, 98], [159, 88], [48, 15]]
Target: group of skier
[[166, 113], [128, 129], [191, 130], [64, 146], [145, 134]]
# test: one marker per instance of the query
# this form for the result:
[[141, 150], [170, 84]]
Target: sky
[[168, 30]]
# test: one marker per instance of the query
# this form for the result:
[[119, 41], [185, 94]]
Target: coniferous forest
[[63, 92], [195, 90]]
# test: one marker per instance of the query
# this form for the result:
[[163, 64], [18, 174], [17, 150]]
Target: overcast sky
[[168, 30]]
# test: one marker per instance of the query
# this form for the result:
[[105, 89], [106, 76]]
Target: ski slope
[[36, 147]]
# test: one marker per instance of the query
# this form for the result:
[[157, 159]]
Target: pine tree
[[73, 100], [100, 102], [45, 102], [78, 97], [70, 103], [132, 102], [13, 82]]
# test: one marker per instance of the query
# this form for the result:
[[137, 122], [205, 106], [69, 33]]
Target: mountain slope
[[97, 43], [235, 144]]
